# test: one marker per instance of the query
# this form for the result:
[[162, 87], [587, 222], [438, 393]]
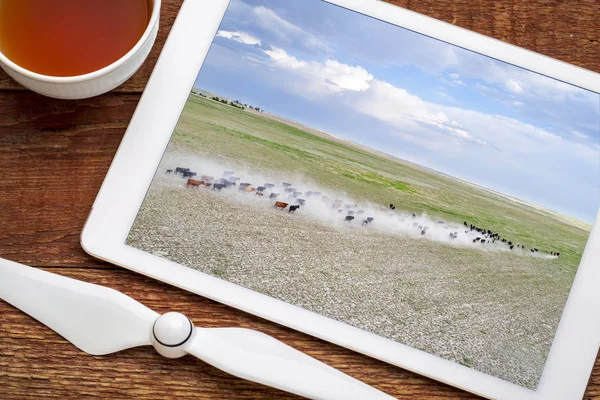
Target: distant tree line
[[237, 104]]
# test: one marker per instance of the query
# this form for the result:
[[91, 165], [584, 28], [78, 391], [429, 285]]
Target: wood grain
[[53, 157]]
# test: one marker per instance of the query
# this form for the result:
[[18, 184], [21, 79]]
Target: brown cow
[[194, 183], [281, 204]]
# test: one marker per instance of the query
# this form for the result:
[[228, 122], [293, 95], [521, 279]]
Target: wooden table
[[53, 157]]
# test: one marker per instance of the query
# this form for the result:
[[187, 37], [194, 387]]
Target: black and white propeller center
[[171, 331]]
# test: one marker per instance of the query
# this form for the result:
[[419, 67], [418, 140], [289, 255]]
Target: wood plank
[[54, 156], [566, 30]]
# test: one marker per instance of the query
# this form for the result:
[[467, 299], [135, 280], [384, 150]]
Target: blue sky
[[415, 97]]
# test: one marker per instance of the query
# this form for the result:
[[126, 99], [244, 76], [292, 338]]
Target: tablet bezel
[[577, 340]]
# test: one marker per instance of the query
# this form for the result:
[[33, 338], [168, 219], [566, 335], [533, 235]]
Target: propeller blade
[[96, 319], [257, 357]]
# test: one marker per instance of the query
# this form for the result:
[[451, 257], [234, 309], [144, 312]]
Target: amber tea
[[70, 37]]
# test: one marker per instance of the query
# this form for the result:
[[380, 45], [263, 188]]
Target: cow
[[293, 208], [234, 178], [349, 218], [341, 210], [269, 185], [273, 195], [261, 188], [249, 189], [181, 170], [229, 184], [207, 178], [243, 186], [297, 194], [194, 183], [219, 186], [360, 212], [286, 185], [228, 173], [511, 247], [169, 171], [188, 174], [535, 249], [289, 190], [453, 235], [367, 221], [281, 204], [300, 201]]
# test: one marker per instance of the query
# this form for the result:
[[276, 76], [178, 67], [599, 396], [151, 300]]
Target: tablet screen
[[388, 180]]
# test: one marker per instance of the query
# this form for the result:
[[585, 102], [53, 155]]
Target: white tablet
[[375, 178]]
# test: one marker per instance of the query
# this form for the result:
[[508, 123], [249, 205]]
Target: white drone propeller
[[99, 321]]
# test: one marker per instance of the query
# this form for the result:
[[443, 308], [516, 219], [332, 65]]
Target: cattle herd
[[291, 198], [286, 197], [484, 236]]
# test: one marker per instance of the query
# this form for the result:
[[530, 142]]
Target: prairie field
[[415, 274]]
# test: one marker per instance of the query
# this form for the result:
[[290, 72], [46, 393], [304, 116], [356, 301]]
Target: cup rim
[[94, 74]]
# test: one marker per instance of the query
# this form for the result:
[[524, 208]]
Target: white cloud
[[578, 134], [513, 86], [331, 76], [241, 37], [282, 58], [288, 33]]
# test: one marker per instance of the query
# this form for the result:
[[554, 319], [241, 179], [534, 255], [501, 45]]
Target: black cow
[[189, 174], [180, 170], [261, 188], [392, 207], [219, 186], [169, 171], [349, 218], [269, 185], [293, 208], [286, 185], [289, 190], [368, 221], [511, 247]]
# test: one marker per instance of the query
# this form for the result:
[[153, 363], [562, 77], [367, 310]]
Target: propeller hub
[[170, 333]]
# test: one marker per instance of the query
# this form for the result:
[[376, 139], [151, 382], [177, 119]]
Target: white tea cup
[[93, 83]]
